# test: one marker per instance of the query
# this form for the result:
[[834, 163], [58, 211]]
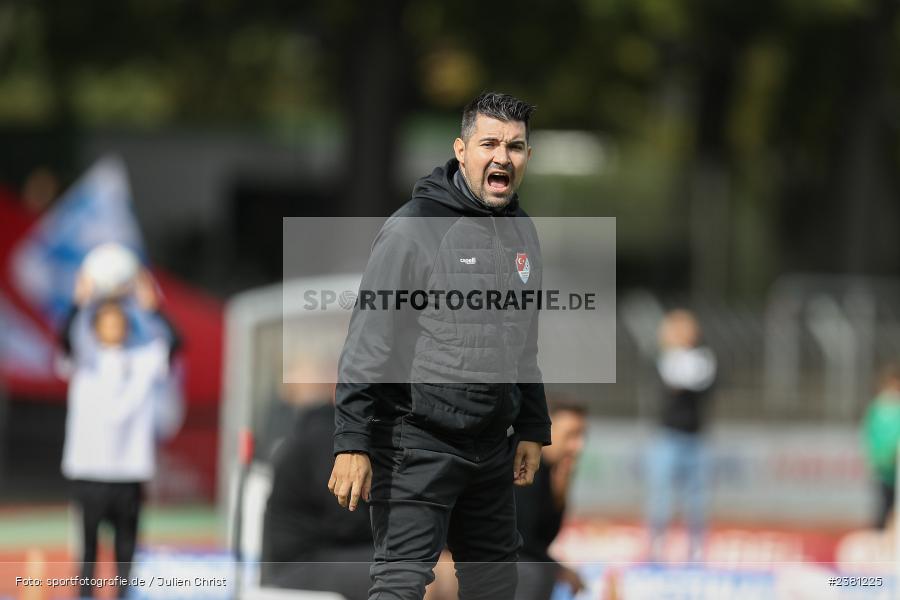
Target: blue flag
[[95, 210]]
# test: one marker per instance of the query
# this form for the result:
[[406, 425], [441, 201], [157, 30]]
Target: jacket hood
[[439, 187]]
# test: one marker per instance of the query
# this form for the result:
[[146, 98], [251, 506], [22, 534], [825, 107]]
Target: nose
[[501, 155]]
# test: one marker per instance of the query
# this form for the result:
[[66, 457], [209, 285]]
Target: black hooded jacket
[[437, 376]]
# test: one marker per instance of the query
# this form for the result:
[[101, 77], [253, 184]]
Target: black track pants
[[423, 500], [119, 503]]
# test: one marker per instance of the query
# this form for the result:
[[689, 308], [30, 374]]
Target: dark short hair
[[565, 403], [499, 106]]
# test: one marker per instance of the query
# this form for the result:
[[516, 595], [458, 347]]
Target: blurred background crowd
[[750, 153]]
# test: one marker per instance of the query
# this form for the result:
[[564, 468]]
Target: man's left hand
[[528, 460]]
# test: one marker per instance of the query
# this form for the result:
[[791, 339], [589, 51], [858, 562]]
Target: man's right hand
[[351, 478]]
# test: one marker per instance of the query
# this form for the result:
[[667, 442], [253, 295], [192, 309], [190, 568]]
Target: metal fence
[[811, 353]]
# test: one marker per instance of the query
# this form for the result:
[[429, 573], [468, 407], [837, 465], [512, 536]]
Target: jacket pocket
[[453, 407]]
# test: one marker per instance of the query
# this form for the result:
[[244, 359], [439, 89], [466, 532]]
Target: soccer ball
[[112, 269], [347, 299]]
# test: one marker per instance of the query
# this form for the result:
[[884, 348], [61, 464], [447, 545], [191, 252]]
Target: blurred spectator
[[110, 440], [677, 458], [881, 434], [540, 508], [308, 382], [309, 541]]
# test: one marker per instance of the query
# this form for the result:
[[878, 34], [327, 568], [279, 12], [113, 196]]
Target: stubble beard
[[492, 202]]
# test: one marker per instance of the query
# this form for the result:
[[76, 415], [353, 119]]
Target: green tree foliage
[[760, 135]]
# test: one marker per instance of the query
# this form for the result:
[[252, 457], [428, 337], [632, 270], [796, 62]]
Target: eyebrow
[[494, 139]]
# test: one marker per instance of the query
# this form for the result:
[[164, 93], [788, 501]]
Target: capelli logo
[[468, 261]]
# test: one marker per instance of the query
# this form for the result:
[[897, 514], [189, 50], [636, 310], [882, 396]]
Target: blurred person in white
[[881, 435], [677, 457], [119, 350]]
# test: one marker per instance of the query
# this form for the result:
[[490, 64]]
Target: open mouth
[[498, 181]]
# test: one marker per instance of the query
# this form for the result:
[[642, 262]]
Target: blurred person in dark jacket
[[119, 349], [677, 457], [540, 508], [881, 435], [309, 541]]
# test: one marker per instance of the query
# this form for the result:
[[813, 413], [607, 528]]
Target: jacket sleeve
[[65, 330], [533, 422], [373, 353], [76, 334]]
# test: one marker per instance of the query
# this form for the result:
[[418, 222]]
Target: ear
[[459, 149]]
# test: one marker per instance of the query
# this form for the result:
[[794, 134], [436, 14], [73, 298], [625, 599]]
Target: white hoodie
[[110, 422]]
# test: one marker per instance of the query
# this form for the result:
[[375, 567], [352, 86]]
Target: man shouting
[[440, 407]]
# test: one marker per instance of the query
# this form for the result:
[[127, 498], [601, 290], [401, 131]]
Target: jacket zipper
[[499, 252], [498, 247]]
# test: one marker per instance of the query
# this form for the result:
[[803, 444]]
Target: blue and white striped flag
[[95, 210]]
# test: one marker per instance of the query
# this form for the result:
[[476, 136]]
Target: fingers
[[525, 466], [526, 476], [343, 493], [532, 469], [338, 483], [359, 489], [518, 462], [351, 480], [333, 480], [362, 484], [367, 487]]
